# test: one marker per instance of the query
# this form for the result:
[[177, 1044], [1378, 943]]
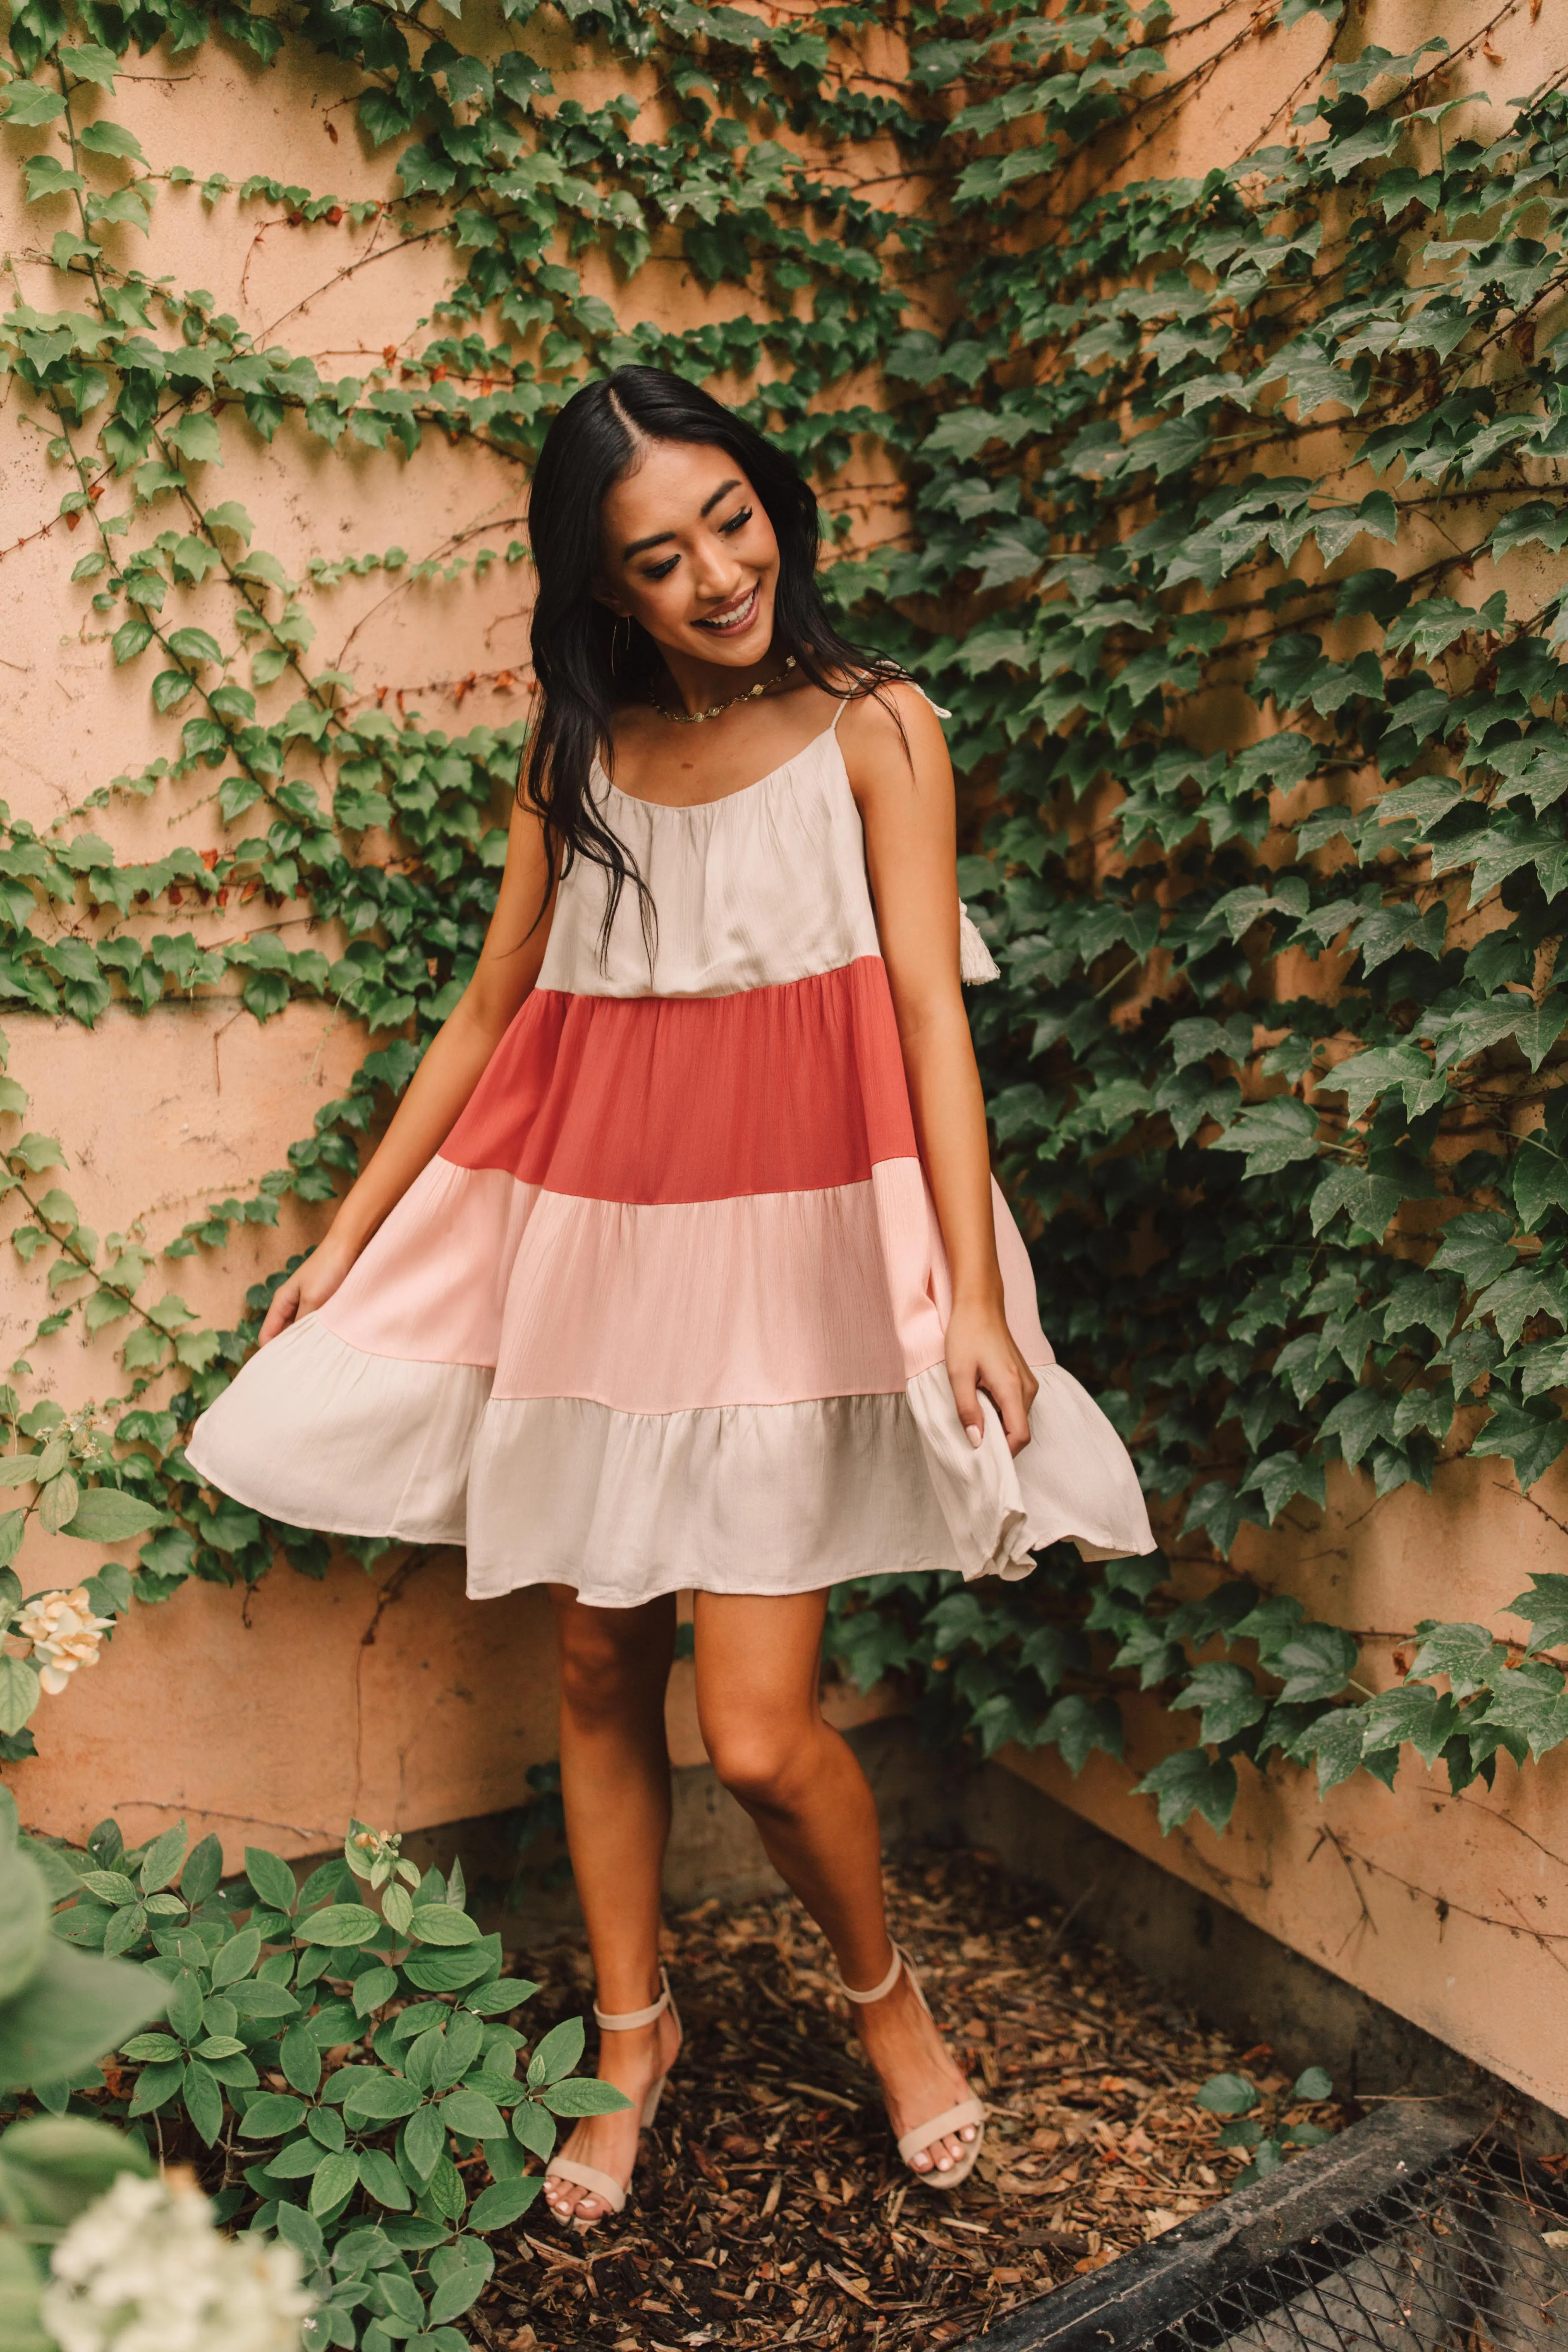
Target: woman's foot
[[634, 2061], [919, 2077]]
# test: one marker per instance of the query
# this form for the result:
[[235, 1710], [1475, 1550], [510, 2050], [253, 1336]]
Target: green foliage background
[[1208, 488]]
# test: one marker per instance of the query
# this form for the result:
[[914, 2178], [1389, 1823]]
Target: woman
[[681, 1265]]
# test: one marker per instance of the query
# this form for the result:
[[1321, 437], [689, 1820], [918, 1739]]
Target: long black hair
[[588, 661]]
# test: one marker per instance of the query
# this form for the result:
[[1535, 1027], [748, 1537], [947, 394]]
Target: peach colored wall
[[1451, 1909], [275, 1714]]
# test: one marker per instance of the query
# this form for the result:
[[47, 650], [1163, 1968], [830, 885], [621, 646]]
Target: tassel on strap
[[975, 961]]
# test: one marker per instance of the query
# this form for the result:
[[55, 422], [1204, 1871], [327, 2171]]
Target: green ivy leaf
[[130, 639], [1191, 1782], [196, 645], [110, 139], [1273, 1135], [28, 105], [1228, 1696]]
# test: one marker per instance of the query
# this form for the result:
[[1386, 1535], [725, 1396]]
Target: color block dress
[[666, 1311]]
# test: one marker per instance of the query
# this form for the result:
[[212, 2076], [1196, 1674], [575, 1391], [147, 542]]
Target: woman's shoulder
[[888, 716]]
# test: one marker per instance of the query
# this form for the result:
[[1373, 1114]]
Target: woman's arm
[[440, 1091], [903, 787]]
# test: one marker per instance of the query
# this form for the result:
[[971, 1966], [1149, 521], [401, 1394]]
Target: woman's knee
[[763, 1764], [610, 1660]]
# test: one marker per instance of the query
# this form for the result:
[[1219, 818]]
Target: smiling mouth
[[734, 616]]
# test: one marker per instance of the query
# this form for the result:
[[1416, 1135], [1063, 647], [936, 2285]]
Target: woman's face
[[688, 550]]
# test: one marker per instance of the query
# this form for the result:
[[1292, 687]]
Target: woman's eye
[[661, 570], [736, 520]]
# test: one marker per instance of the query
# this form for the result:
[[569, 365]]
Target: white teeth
[[732, 620]]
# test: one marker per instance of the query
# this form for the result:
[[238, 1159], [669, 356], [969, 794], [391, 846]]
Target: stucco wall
[[1453, 1910], [276, 1714]]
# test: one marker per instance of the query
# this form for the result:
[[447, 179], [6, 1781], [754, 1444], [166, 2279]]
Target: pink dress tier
[[666, 1312]]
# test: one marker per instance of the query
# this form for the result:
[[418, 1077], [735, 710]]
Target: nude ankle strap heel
[[604, 2185], [630, 2019], [952, 2119]]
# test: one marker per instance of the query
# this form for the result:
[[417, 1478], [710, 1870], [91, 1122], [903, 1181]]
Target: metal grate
[[1456, 2263], [1414, 2232]]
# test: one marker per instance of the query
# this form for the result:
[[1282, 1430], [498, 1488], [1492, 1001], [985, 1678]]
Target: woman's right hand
[[309, 1286]]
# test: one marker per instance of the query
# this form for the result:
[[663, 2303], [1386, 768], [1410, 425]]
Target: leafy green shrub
[[339, 2070], [59, 2010], [1257, 2118]]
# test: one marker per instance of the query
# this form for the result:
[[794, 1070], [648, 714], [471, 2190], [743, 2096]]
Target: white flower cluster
[[64, 1633], [145, 2270]]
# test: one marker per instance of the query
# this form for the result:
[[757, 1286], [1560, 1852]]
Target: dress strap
[[906, 680], [976, 964]]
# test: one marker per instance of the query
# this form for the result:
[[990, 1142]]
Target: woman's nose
[[716, 574]]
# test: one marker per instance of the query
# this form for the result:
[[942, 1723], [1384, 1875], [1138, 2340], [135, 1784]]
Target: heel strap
[[879, 1991], [628, 2021]]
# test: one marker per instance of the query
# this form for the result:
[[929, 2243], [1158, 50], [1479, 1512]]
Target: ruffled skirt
[[554, 1355]]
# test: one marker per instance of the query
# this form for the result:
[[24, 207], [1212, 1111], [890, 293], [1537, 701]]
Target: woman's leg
[[758, 1671], [614, 1781]]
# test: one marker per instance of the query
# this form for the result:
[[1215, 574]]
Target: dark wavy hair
[[583, 675]]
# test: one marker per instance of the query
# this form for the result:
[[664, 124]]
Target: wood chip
[[762, 2216], [811, 2091]]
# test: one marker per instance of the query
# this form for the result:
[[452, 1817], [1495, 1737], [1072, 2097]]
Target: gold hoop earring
[[618, 650]]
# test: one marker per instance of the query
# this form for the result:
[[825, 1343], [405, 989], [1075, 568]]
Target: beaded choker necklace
[[695, 718]]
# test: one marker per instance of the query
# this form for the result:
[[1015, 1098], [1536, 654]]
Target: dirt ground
[[770, 2207]]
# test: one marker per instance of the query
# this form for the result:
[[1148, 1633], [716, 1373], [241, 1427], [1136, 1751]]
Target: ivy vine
[[1224, 538]]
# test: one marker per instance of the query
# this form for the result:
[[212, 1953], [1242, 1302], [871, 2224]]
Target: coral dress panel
[[667, 1310]]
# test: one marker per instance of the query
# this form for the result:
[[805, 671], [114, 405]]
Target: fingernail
[[976, 1434]]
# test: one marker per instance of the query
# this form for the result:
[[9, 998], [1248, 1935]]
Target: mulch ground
[[769, 2206]]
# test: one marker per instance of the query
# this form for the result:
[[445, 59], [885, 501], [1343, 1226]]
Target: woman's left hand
[[982, 1353]]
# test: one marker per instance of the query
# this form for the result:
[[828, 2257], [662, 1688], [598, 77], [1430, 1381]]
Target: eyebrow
[[658, 538]]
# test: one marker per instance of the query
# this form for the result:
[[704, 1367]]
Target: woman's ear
[[604, 595]]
